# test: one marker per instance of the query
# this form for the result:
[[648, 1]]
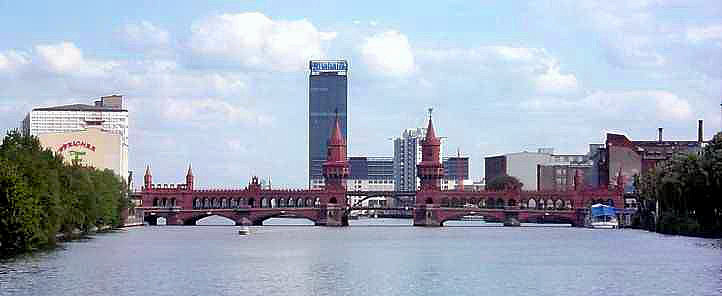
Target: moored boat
[[602, 217]]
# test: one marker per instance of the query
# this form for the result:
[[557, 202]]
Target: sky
[[224, 84]]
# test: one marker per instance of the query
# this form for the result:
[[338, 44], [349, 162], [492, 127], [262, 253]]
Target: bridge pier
[[332, 215], [511, 219], [427, 215]]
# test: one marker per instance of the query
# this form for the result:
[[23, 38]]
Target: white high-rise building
[[407, 154], [107, 114]]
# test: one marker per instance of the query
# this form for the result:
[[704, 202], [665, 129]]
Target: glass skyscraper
[[327, 96]]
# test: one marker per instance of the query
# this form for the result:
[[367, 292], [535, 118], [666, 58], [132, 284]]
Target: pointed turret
[[336, 137], [189, 177], [430, 169], [431, 133], [335, 169], [148, 179]]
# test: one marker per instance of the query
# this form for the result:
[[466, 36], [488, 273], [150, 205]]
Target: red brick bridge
[[182, 204]]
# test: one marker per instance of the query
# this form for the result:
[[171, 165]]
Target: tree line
[[43, 197], [684, 194]]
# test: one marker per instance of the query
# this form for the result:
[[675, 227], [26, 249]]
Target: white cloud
[[145, 36], [704, 33], [628, 31], [66, 58], [522, 65], [641, 105], [62, 57], [388, 53], [670, 106], [552, 81], [12, 60], [256, 41], [209, 111]]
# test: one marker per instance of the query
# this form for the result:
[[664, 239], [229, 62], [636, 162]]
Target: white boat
[[602, 217], [244, 230], [472, 218]]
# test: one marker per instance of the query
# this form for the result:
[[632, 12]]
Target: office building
[[524, 165], [328, 98], [371, 174], [622, 155], [85, 133]]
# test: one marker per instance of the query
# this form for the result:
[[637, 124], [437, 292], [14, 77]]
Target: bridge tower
[[335, 172], [189, 178], [147, 179], [430, 171]]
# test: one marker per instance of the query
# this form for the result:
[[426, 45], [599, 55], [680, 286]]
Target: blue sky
[[224, 84]]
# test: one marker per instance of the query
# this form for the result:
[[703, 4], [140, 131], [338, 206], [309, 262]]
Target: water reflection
[[302, 260]]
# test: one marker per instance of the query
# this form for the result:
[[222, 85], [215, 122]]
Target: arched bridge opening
[[206, 217], [359, 203], [472, 218], [285, 219], [215, 220]]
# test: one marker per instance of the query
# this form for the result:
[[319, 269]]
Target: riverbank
[[61, 238]]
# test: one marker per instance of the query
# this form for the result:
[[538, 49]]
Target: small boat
[[244, 230], [602, 217], [472, 218]]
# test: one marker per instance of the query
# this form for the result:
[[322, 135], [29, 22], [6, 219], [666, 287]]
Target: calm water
[[298, 260]]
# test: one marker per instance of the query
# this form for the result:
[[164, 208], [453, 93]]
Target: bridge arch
[[359, 203], [499, 203], [193, 219], [258, 220], [488, 216], [531, 203]]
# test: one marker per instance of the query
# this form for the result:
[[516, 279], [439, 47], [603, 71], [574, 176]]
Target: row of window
[[232, 203], [541, 204]]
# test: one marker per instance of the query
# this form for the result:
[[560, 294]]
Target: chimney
[[660, 134], [700, 134]]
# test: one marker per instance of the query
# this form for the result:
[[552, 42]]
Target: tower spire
[[430, 170], [335, 169], [148, 179], [189, 177]]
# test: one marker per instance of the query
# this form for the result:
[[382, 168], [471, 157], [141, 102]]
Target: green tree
[[503, 182], [20, 212], [686, 190], [43, 196]]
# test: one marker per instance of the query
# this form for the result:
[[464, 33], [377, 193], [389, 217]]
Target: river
[[378, 259]]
